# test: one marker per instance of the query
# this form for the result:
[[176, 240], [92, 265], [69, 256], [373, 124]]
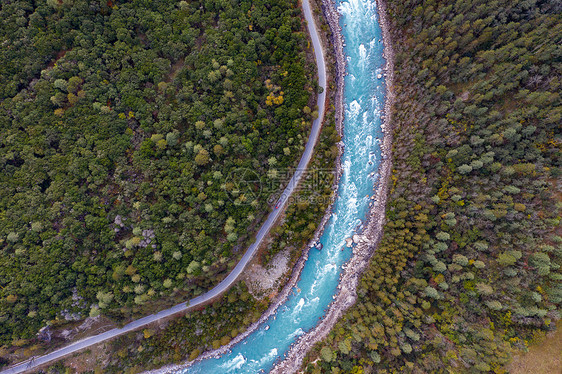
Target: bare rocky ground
[[262, 280]]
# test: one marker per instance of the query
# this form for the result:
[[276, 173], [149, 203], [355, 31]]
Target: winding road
[[226, 283]]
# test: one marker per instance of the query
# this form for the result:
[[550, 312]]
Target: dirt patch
[[262, 280], [94, 358], [542, 358]]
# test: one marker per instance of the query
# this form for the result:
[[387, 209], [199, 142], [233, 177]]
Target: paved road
[[235, 273]]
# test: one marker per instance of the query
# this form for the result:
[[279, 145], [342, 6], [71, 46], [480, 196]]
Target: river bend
[[364, 95]]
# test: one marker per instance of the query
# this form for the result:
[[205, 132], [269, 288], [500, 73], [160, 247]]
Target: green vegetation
[[215, 325], [120, 124], [469, 265]]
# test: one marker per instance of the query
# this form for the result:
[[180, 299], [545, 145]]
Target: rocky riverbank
[[364, 249]]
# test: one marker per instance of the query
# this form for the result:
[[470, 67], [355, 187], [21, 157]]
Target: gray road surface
[[231, 278]]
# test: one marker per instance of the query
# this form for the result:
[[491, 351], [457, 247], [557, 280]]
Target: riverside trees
[[469, 264], [120, 124]]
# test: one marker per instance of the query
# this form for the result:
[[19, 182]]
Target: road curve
[[235, 273]]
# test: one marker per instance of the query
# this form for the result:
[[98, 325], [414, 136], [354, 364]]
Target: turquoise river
[[364, 94]]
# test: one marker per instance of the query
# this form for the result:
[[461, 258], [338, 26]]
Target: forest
[[186, 337], [468, 269], [121, 123]]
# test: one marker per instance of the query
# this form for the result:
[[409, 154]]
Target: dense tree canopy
[[469, 264], [121, 122]]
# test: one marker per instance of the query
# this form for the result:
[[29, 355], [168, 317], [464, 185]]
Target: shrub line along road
[[231, 278]]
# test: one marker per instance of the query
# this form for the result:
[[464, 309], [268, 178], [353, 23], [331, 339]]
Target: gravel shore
[[363, 251]]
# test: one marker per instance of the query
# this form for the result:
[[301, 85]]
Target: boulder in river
[[359, 239]]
